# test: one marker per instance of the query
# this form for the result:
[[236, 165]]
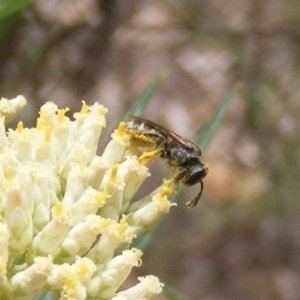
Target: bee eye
[[195, 174]]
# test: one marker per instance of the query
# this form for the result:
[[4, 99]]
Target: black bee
[[182, 155]]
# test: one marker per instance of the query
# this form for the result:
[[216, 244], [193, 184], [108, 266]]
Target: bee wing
[[185, 143], [149, 123], [166, 132], [147, 126]]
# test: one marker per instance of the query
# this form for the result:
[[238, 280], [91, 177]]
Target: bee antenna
[[196, 199]]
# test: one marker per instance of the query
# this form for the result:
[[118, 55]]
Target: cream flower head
[[66, 217]]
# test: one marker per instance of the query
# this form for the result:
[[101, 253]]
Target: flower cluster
[[66, 217]]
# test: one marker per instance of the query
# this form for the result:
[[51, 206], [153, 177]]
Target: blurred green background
[[242, 241]]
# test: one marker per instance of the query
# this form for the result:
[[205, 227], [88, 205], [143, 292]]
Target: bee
[[182, 156]]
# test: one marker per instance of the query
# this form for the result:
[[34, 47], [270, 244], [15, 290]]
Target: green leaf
[[205, 134], [10, 14], [46, 295], [7, 25], [143, 242], [141, 102], [174, 294], [11, 7], [20, 260]]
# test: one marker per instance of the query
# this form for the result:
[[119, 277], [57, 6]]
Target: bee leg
[[175, 178], [147, 138], [196, 199], [150, 154]]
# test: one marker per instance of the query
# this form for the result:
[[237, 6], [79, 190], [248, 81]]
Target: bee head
[[195, 173]]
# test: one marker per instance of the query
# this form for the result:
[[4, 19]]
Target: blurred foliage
[[138, 107], [10, 12]]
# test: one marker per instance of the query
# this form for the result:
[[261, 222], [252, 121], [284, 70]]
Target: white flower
[[9, 108], [66, 212], [105, 284], [147, 289], [33, 278]]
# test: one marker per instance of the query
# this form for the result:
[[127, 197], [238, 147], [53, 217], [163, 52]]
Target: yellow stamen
[[20, 127], [101, 197], [40, 123], [123, 225], [8, 174], [58, 208], [102, 110], [113, 174], [121, 128], [105, 223], [164, 192], [47, 132], [71, 282], [61, 114], [2, 267], [83, 269], [84, 108]]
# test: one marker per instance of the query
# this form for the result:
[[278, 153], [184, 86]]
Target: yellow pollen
[[84, 108], [105, 223], [83, 269], [2, 267], [8, 174], [121, 128], [164, 192], [71, 282], [102, 197], [101, 111], [58, 208], [122, 226], [40, 123], [113, 174], [20, 127], [47, 132], [61, 114]]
